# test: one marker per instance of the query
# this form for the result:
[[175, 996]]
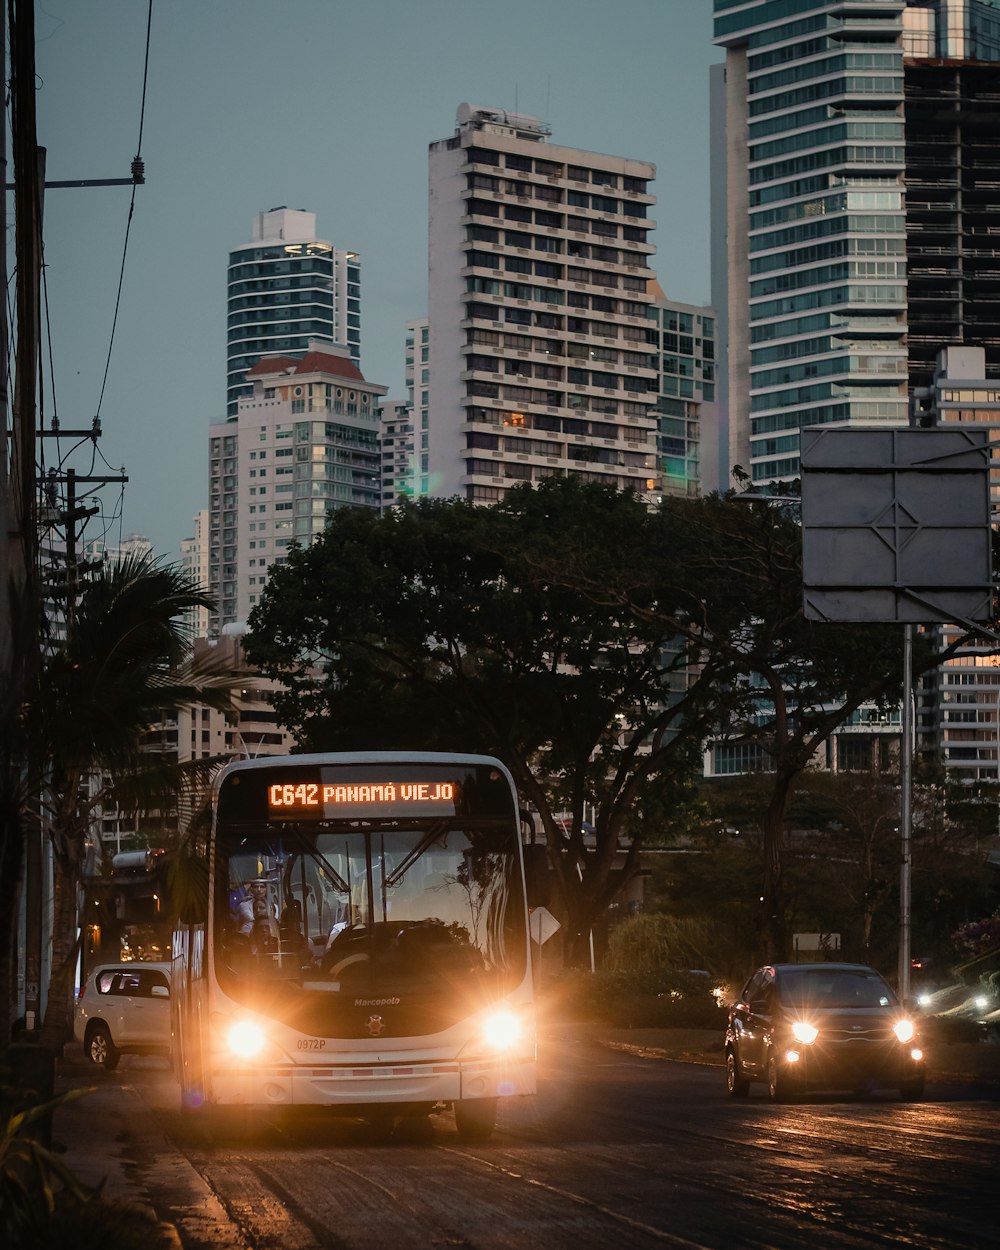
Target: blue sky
[[326, 105]]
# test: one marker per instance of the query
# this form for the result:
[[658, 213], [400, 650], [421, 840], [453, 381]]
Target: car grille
[[873, 1032]]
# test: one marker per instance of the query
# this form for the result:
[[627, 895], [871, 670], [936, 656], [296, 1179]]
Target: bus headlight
[[903, 1029], [502, 1030], [246, 1039]]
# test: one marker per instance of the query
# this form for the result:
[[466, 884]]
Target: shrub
[[652, 943], [97, 1225], [32, 1178]]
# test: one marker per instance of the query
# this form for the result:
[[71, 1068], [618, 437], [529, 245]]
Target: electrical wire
[[106, 521], [131, 209]]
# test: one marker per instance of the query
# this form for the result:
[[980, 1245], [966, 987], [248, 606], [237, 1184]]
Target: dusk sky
[[325, 105]]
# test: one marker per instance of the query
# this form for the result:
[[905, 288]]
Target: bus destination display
[[343, 799]]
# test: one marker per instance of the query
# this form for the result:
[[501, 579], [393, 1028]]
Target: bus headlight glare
[[903, 1029], [804, 1033], [502, 1030], [246, 1039]]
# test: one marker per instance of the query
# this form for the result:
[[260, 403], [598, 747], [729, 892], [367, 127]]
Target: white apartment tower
[[537, 311], [305, 441], [285, 287], [194, 562]]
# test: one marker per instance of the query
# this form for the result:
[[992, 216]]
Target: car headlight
[[502, 1030], [246, 1039], [804, 1033], [903, 1029]]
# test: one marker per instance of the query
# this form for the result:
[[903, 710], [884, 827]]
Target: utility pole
[[29, 177], [21, 836]]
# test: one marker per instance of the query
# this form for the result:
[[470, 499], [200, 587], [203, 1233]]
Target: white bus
[[363, 944]]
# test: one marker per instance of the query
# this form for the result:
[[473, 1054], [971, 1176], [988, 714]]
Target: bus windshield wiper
[[308, 848], [432, 835]]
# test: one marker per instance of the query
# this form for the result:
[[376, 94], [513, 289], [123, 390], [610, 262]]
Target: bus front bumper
[[345, 1084]]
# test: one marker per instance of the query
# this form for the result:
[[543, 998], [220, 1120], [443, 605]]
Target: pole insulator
[[138, 171]]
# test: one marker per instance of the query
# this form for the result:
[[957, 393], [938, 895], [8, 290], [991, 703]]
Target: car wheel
[[475, 1118], [778, 1084], [101, 1049], [736, 1082], [912, 1091]]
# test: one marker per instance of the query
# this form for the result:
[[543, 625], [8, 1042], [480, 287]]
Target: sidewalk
[[103, 1135]]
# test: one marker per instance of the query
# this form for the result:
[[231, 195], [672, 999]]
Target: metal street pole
[[906, 814], [998, 760]]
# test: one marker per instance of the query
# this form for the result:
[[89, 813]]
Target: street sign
[[542, 925]]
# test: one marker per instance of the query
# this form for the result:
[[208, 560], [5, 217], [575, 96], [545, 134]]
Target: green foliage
[[441, 626], [123, 662], [637, 1000], [98, 1225], [32, 1178], [656, 944], [44, 1206], [841, 872], [591, 643]]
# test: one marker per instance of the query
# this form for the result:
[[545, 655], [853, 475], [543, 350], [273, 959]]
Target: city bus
[[362, 943]]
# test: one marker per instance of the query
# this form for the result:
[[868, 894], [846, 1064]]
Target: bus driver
[[256, 918]]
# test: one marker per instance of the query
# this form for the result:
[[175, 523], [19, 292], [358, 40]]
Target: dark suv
[[802, 1027]]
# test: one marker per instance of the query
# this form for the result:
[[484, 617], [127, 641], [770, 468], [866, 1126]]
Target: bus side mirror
[[536, 875]]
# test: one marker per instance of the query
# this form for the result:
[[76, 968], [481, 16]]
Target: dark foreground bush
[[96, 1225]]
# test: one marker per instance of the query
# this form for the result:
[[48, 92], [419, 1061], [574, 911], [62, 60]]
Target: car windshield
[[819, 988]]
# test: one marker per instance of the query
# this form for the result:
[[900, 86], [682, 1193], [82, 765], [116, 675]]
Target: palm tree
[[125, 661]]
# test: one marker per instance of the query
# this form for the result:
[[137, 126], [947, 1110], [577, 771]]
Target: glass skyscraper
[[838, 115], [286, 287]]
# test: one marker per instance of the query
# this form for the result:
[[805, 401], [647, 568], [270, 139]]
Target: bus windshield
[[336, 896]]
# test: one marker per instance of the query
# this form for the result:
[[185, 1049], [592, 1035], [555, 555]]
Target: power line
[[137, 175]]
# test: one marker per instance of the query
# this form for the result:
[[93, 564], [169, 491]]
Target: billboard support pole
[[906, 814]]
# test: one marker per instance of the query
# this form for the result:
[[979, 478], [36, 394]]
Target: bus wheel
[[475, 1118]]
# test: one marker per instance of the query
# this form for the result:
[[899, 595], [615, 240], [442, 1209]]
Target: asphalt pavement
[[101, 1134]]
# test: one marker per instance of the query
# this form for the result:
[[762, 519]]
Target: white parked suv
[[124, 1008]]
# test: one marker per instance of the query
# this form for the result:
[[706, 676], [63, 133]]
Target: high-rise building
[[194, 562], [286, 286], [958, 703], [858, 137], [398, 452], [951, 74], [305, 441], [418, 349], [682, 343], [538, 354]]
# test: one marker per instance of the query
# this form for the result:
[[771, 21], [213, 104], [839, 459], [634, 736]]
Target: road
[[615, 1150]]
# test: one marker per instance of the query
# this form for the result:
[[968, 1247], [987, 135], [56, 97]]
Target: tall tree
[[125, 660], [592, 643], [724, 574], [438, 626]]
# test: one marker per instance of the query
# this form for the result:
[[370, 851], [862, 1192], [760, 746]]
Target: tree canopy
[[438, 626], [592, 643]]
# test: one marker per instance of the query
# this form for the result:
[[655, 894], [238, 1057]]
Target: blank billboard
[[896, 524]]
